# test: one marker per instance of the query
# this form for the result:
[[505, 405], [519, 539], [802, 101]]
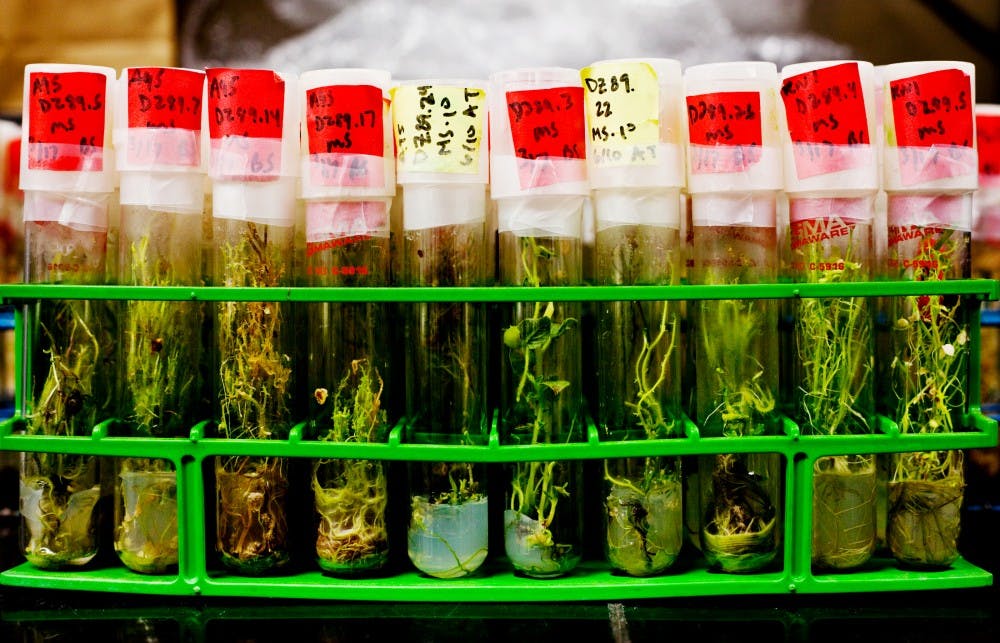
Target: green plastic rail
[[593, 580]]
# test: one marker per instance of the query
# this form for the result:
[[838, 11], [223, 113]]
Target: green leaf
[[556, 386], [535, 333]]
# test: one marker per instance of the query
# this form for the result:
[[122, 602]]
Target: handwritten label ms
[[725, 131], [246, 107], [245, 102], [547, 123], [623, 103], [438, 128], [933, 118], [66, 119], [170, 102], [345, 128], [825, 111]]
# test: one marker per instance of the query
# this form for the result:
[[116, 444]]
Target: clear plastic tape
[[268, 202], [668, 171], [548, 176], [86, 212], [648, 207], [335, 219], [159, 149], [541, 216], [248, 158], [938, 167], [67, 129], [428, 205], [749, 169], [341, 175], [755, 210], [811, 167], [179, 192], [856, 209], [947, 211]]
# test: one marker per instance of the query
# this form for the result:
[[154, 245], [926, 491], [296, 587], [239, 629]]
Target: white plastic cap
[[63, 106], [988, 146], [253, 122], [254, 156], [543, 152], [733, 140], [441, 129], [829, 129], [930, 143], [347, 149], [635, 128], [160, 124]]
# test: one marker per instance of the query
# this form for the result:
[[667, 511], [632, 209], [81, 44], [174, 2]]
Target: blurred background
[[471, 39]]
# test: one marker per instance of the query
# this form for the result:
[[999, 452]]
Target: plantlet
[[638, 399], [254, 389], [544, 407], [929, 375], [161, 381], [446, 401], [351, 495], [834, 366], [734, 397], [60, 492]]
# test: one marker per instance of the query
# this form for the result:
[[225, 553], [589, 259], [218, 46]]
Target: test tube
[[831, 178], [931, 172], [348, 181], [538, 178], [635, 160], [734, 176], [986, 246], [443, 169], [67, 174], [253, 163], [160, 118]]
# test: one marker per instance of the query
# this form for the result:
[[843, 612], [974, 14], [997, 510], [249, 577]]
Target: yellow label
[[438, 128], [623, 108]]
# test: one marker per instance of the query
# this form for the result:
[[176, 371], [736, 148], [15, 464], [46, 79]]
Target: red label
[[66, 121], [933, 109], [547, 123], [345, 119], [988, 140], [724, 131], [13, 165], [245, 102], [161, 97], [825, 110], [726, 118]]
